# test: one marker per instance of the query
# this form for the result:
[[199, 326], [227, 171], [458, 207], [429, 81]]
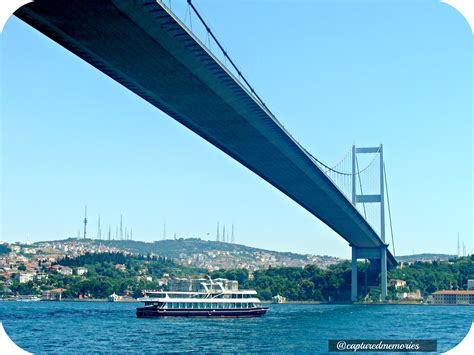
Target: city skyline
[[461, 249], [83, 138]]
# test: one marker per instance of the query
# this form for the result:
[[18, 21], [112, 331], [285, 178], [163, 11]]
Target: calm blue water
[[93, 326]]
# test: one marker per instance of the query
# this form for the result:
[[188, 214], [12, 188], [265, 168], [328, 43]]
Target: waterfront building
[[453, 297], [114, 297], [279, 299], [470, 284], [53, 295], [411, 296]]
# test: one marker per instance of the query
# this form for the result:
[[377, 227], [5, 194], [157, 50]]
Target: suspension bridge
[[145, 47]]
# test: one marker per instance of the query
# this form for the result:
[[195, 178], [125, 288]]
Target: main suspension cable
[[227, 57], [336, 171], [210, 33]]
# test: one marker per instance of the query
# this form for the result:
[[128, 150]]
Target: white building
[[24, 277], [15, 248], [81, 270], [398, 284], [65, 270]]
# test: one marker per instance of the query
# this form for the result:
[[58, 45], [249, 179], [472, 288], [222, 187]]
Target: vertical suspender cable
[[337, 179], [389, 212], [360, 184]]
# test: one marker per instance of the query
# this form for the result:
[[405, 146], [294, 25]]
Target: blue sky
[[335, 73]]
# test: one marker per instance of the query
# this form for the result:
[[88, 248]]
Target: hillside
[[425, 257], [172, 248], [203, 254]]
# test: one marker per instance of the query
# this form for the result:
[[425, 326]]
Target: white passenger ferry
[[213, 300]]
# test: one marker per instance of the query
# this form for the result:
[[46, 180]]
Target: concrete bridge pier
[[354, 275], [379, 253]]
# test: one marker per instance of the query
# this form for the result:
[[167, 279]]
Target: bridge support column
[[354, 275], [383, 273], [378, 253]]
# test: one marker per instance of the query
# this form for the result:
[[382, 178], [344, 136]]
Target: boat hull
[[151, 312]]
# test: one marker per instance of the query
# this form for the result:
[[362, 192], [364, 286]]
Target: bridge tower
[[370, 253]]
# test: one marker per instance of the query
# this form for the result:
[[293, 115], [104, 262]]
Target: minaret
[[116, 232], [99, 232], [232, 240], [85, 223], [223, 234], [218, 239], [110, 232], [131, 234], [121, 229], [164, 231]]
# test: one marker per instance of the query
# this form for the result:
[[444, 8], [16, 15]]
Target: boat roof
[[245, 292]]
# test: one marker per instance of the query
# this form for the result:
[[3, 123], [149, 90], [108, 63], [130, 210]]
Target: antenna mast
[[99, 232], [85, 223]]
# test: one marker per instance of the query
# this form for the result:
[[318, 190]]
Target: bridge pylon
[[379, 253]]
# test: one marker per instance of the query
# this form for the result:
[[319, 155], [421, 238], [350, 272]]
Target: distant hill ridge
[[172, 248], [425, 256]]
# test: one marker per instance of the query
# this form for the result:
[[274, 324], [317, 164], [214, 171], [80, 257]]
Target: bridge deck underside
[[142, 46]]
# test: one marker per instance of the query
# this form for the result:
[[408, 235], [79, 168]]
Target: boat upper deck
[[197, 293]]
